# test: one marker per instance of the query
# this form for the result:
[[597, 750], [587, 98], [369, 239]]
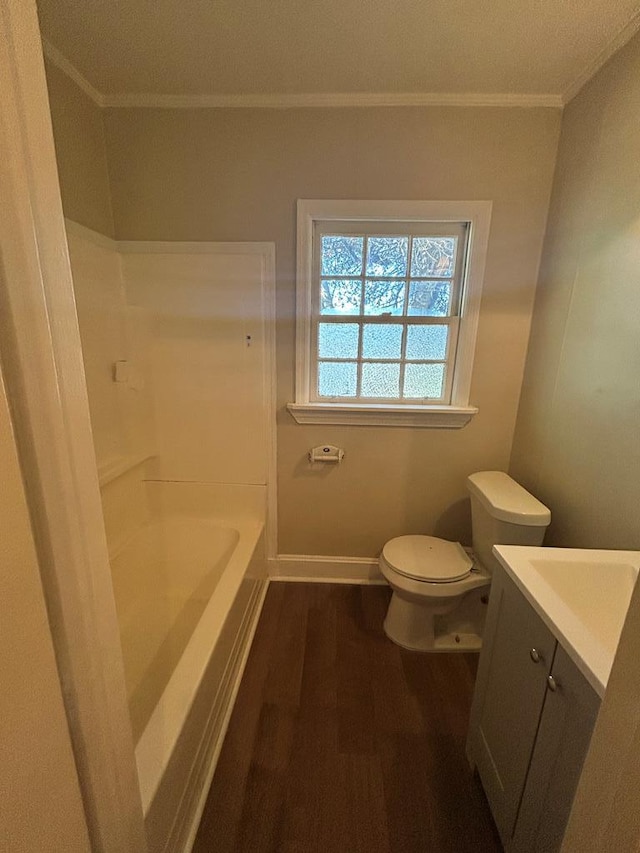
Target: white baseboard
[[186, 828], [319, 569]]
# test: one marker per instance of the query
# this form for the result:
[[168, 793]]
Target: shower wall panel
[[206, 359], [111, 332]]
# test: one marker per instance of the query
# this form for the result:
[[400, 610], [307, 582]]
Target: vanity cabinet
[[531, 721]]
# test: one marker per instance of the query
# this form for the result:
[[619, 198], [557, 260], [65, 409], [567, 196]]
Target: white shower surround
[[178, 314], [144, 270]]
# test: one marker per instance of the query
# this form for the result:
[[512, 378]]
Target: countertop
[[582, 595]]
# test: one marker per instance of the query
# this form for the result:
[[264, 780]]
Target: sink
[[582, 595], [598, 592]]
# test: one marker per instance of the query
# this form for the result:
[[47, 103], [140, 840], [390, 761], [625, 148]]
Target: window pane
[[340, 296], [427, 342], [341, 255], [384, 297], [380, 380], [423, 380], [337, 379], [387, 255], [382, 341], [429, 298], [433, 256], [338, 340]]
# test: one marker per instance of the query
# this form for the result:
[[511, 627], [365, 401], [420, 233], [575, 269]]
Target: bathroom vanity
[[553, 624]]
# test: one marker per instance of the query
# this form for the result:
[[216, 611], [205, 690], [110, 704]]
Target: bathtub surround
[[177, 344], [111, 332], [210, 326], [192, 325]]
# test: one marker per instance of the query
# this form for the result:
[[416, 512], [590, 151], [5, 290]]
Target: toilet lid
[[427, 558]]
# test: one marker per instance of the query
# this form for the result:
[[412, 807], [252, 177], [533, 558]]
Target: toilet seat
[[427, 558]]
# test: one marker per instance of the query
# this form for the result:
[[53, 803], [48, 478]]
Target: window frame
[[476, 215]]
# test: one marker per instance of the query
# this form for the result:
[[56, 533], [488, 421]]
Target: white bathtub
[[189, 585]]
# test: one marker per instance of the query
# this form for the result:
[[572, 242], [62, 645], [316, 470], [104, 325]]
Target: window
[[387, 307]]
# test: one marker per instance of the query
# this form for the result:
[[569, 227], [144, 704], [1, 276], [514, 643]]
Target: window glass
[[433, 256], [380, 380], [338, 340], [387, 255], [382, 340], [340, 296], [382, 296], [423, 380], [337, 379], [341, 255], [409, 278], [426, 342], [429, 299]]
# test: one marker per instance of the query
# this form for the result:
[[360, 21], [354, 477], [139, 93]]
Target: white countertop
[[582, 595]]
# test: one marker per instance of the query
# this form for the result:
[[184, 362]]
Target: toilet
[[440, 589]]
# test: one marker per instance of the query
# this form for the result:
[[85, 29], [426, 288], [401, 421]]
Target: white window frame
[[457, 413]]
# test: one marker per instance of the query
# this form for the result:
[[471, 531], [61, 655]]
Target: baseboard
[[319, 569], [186, 827]]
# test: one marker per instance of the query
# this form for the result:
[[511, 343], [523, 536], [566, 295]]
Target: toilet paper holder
[[326, 453]]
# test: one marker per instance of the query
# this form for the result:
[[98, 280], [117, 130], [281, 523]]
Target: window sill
[[431, 417]]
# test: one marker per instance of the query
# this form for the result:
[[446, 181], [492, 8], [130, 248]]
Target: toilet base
[[416, 627]]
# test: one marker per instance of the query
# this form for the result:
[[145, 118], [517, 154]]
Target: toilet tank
[[503, 513]]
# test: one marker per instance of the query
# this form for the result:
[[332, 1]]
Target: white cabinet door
[[510, 690], [567, 721]]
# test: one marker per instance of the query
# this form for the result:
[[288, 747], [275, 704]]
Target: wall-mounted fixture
[[326, 453]]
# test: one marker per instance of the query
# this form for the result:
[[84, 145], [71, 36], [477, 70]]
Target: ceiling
[[360, 47]]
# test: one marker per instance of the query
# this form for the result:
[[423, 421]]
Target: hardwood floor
[[341, 742]]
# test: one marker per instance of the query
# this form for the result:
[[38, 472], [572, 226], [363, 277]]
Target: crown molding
[[626, 33], [344, 99], [334, 99], [60, 61], [293, 101]]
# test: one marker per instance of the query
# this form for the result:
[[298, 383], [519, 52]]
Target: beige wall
[[577, 442], [80, 148], [39, 791], [236, 175]]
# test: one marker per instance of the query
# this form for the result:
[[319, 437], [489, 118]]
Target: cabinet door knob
[[534, 654], [552, 684]]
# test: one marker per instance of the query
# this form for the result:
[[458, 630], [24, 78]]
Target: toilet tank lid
[[506, 500]]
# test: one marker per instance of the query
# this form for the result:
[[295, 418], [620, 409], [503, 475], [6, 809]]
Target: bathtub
[[189, 585]]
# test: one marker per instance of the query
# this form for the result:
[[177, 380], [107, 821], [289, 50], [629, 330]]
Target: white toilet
[[439, 588]]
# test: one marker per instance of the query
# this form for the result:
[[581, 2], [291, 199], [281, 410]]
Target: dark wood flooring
[[341, 742]]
